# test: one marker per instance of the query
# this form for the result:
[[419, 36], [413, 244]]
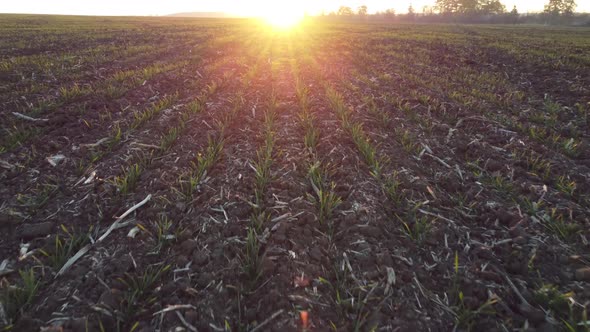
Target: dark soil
[[487, 137]]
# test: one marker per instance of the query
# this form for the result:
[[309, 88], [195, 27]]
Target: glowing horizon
[[253, 8]]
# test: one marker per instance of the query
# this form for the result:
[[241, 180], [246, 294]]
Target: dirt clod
[[110, 298], [189, 245], [583, 274], [200, 258], [31, 231]]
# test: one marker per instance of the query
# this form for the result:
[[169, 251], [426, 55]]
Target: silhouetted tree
[[560, 7], [470, 7], [362, 10], [514, 15], [427, 10], [557, 10], [448, 6], [389, 14], [345, 11], [411, 15], [492, 7]]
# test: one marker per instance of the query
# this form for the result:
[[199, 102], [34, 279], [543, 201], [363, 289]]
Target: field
[[218, 175]]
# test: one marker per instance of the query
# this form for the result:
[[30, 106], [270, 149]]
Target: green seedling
[[138, 293], [351, 299], [262, 164], [306, 118], [141, 118], [551, 106], [405, 107], [337, 104], [391, 188], [550, 297], [258, 220], [272, 105], [17, 135], [407, 142], [311, 138], [69, 94], [326, 201], [16, 299], [113, 91], [555, 223], [38, 197], [367, 150], [195, 106], [563, 307], [531, 208], [312, 134], [538, 134], [169, 138], [577, 322], [65, 247], [565, 185], [339, 286], [380, 115], [252, 258], [104, 117], [128, 181], [161, 232], [211, 155], [317, 174], [465, 318], [188, 183], [571, 148], [538, 165], [212, 88], [302, 96], [416, 228], [500, 183], [122, 75], [144, 159]]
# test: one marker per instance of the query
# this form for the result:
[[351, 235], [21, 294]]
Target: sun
[[282, 16], [283, 20]]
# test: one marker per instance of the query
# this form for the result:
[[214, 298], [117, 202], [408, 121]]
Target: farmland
[[374, 177]]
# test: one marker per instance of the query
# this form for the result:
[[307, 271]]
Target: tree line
[[472, 11]]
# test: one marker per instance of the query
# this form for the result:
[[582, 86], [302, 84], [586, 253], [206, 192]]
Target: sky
[[239, 7]]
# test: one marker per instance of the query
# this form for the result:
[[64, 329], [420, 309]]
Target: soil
[[457, 135]]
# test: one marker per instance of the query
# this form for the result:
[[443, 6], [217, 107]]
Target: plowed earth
[[483, 130]]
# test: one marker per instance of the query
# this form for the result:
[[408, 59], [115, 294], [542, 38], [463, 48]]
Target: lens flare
[[282, 16]]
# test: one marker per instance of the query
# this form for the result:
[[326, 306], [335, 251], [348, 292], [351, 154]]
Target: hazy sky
[[243, 7]]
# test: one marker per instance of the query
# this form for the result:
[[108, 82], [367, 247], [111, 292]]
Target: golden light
[[282, 16]]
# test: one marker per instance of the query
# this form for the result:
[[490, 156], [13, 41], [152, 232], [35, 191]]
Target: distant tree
[[362, 10], [470, 7], [411, 13], [492, 7], [560, 7], [514, 15], [428, 10], [448, 6], [345, 11], [389, 13]]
